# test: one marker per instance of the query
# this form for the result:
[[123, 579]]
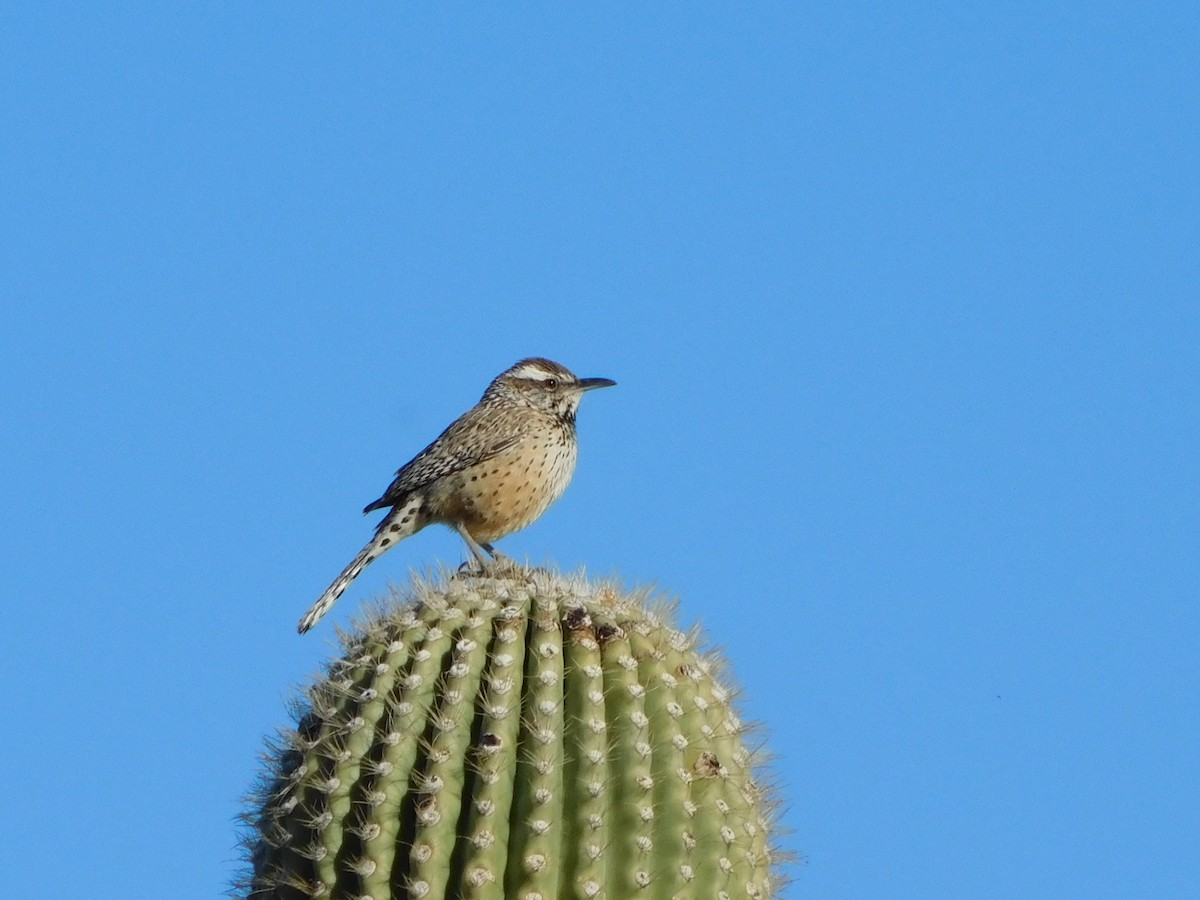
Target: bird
[[493, 471]]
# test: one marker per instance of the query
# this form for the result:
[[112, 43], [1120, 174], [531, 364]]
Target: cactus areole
[[527, 738]]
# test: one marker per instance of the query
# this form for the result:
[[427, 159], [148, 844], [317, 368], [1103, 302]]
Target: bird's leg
[[474, 546], [497, 555]]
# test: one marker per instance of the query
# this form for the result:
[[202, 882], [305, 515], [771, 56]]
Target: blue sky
[[902, 303]]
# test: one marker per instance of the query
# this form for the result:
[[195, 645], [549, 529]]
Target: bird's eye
[[551, 384]]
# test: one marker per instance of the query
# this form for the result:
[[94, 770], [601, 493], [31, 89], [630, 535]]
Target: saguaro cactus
[[531, 737]]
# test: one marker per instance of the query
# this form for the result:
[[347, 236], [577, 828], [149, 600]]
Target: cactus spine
[[534, 737]]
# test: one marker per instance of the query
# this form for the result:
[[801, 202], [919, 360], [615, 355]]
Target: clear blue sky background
[[903, 303]]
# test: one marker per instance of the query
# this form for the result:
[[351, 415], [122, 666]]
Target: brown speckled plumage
[[495, 470]]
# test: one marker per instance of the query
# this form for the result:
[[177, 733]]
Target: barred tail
[[398, 524]]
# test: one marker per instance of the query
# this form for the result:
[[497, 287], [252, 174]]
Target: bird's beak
[[590, 384]]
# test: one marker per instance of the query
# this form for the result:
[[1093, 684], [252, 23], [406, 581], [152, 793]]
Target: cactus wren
[[492, 472]]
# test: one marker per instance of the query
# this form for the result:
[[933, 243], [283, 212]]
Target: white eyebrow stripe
[[534, 373]]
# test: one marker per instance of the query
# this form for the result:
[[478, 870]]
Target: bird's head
[[545, 385]]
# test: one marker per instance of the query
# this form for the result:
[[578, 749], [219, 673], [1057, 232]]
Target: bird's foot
[[499, 566], [499, 558]]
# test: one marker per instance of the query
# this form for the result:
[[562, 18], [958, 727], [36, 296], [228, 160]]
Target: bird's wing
[[459, 447]]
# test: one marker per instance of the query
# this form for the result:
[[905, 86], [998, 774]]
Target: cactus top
[[533, 737]]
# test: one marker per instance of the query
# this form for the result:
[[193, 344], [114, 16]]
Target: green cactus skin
[[529, 738]]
